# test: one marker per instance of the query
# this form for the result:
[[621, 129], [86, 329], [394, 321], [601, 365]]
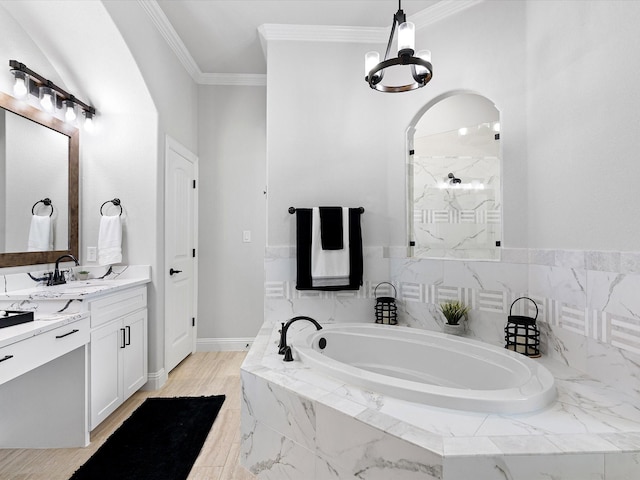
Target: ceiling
[[220, 37]]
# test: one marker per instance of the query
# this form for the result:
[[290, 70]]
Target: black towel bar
[[115, 201], [292, 210], [46, 201]]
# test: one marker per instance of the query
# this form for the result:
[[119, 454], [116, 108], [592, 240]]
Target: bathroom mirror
[[454, 180], [39, 157]]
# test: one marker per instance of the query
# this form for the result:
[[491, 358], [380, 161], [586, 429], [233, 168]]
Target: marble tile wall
[[588, 307]]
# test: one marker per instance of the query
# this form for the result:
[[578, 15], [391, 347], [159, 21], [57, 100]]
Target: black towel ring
[[46, 201], [115, 201]]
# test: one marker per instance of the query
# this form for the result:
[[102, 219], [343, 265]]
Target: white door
[[180, 250]]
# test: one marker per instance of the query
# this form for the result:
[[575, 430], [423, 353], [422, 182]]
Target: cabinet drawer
[[21, 357], [117, 305]]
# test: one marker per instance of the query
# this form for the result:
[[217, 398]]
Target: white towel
[[40, 235], [110, 240], [329, 268]]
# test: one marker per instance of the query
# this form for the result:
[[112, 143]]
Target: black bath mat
[[159, 441]]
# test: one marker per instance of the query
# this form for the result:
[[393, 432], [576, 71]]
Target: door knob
[[172, 271]]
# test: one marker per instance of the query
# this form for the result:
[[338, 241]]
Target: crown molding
[[323, 33], [440, 11], [238, 79], [300, 33], [172, 38]]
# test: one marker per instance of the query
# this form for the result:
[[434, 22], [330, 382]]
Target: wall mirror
[[38, 162], [454, 180]]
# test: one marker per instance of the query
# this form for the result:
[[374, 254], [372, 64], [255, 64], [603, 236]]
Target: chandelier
[[420, 64]]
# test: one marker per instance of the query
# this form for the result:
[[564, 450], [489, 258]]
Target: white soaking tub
[[429, 367]]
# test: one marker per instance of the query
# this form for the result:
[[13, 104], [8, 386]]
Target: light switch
[[246, 236], [92, 254]]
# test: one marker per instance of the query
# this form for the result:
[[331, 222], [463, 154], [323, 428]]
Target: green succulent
[[453, 311]]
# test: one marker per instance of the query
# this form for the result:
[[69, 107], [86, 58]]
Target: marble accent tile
[[571, 259], [603, 261], [514, 255], [542, 257], [630, 262]]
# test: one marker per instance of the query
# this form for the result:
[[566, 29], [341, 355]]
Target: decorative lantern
[[521, 333], [386, 308]]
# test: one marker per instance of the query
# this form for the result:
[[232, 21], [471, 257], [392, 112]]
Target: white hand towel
[[40, 237], [110, 240], [329, 267]]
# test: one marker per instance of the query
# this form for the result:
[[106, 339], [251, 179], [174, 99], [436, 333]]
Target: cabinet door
[[106, 387], [134, 366]]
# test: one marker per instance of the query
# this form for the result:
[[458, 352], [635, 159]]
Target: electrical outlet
[[92, 254]]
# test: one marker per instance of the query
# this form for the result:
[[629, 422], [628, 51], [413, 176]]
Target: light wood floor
[[210, 373]]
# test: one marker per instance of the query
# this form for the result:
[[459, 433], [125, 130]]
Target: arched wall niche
[[454, 179]]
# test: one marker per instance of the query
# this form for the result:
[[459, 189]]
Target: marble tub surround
[[297, 423]]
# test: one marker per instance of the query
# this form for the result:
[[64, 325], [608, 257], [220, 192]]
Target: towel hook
[[115, 201], [46, 201]]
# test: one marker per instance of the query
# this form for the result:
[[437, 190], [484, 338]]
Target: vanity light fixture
[[51, 96], [420, 64]]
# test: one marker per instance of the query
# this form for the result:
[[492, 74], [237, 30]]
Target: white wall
[[231, 133], [583, 65], [120, 159], [332, 140]]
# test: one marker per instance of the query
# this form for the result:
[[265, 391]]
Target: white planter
[[458, 329]]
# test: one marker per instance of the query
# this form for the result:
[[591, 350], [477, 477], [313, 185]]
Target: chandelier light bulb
[[424, 55], [371, 59], [406, 38]]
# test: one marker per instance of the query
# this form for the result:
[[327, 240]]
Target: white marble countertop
[[41, 323], [587, 417], [122, 277]]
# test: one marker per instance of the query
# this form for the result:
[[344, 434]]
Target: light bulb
[[406, 38], [371, 59], [20, 86], [70, 111], [47, 99], [424, 55], [88, 121]]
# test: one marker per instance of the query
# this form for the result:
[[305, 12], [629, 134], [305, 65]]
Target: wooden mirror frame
[[15, 259]]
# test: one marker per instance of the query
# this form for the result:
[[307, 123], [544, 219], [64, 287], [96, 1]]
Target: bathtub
[[428, 367]]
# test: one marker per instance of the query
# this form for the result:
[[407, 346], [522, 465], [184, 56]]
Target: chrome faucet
[[283, 348], [58, 278]]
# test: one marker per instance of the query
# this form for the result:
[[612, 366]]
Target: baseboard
[[156, 380], [223, 344]]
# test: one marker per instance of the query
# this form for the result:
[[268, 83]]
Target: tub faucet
[[283, 348], [58, 278]]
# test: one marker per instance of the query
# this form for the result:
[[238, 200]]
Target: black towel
[[331, 228], [303, 248]]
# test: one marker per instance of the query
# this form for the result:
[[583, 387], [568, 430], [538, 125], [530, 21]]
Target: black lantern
[[386, 308], [521, 333]]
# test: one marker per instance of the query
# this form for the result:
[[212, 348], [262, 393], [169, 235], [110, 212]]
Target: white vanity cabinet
[[118, 350]]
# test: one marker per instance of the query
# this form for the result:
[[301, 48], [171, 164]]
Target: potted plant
[[454, 312], [82, 275]]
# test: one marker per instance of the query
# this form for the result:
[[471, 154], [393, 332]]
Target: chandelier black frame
[[405, 57], [34, 81]]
